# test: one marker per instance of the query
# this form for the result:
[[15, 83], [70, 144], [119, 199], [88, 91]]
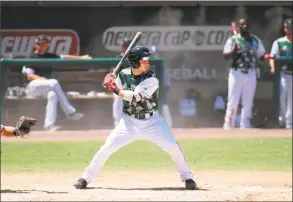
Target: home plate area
[[142, 186], [149, 186]]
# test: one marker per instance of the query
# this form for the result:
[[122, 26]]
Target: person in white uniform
[[244, 50], [138, 87], [283, 47], [40, 85]]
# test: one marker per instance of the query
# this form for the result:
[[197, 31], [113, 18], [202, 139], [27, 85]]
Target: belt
[[244, 71], [143, 116]]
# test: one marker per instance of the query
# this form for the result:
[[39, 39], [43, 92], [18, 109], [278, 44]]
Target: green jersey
[[144, 92], [283, 47], [250, 50]]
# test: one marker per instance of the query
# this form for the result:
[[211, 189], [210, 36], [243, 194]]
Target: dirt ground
[[146, 186]]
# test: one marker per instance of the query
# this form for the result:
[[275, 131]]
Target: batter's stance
[[138, 87], [244, 50], [283, 47]]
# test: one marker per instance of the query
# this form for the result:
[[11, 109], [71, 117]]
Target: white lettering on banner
[[20, 42], [192, 73], [170, 38]]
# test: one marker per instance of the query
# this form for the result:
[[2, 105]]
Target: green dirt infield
[[241, 154]]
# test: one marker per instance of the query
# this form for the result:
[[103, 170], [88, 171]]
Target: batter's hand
[[109, 82], [110, 86]]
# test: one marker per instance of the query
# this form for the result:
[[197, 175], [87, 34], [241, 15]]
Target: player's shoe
[[53, 128], [190, 184], [80, 184], [75, 116]]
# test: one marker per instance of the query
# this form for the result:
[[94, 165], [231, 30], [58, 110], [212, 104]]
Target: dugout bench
[[74, 75]]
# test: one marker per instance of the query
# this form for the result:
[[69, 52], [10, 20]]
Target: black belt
[[142, 116], [244, 71]]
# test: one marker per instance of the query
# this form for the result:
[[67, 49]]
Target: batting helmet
[[136, 54]]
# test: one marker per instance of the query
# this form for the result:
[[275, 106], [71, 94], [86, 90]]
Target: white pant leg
[[247, 97], [41, 87], [117, 109], [235, 84], [167, 115], [288, 114], [66, 107], [283, 97], [157, 131], [122, 135], [51, 109]]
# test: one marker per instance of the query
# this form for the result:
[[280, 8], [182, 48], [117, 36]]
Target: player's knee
[[52, 95], [53, 82]]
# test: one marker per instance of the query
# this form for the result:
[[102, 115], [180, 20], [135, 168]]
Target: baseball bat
[[132, 44], [234, 30]]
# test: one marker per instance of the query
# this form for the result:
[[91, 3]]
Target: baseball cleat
[[80, 184], [190, 184], [53, 128], [75, 116]]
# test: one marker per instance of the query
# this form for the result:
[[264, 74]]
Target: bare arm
[[75, 57], [274, 54], [7, 131]]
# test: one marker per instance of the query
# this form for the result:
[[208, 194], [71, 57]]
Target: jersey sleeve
[[229, 46], [260, 49], [275, 50], [1, 128], [118, 82], [146, 88]]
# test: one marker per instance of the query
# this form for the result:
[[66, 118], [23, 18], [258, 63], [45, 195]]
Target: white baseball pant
[[242, 86], [129, 129], [51, 89], [286, 99]]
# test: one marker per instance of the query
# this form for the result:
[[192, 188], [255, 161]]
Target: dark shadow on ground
[[150, 189], [9, 191]]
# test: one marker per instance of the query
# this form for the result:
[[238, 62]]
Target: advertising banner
[[18, 43]]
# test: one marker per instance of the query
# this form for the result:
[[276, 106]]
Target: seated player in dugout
[[40, 84]]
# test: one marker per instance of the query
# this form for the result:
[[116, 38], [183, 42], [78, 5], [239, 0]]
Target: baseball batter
[[283, 47], [242, 76], [41, 85], [138, 87]]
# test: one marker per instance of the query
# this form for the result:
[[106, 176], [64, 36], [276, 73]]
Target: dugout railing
[[104, 65]]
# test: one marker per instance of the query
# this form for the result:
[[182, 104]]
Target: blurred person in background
[[283, 47], [40, 84], [244, 50], [118, 102], [167, 84]]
